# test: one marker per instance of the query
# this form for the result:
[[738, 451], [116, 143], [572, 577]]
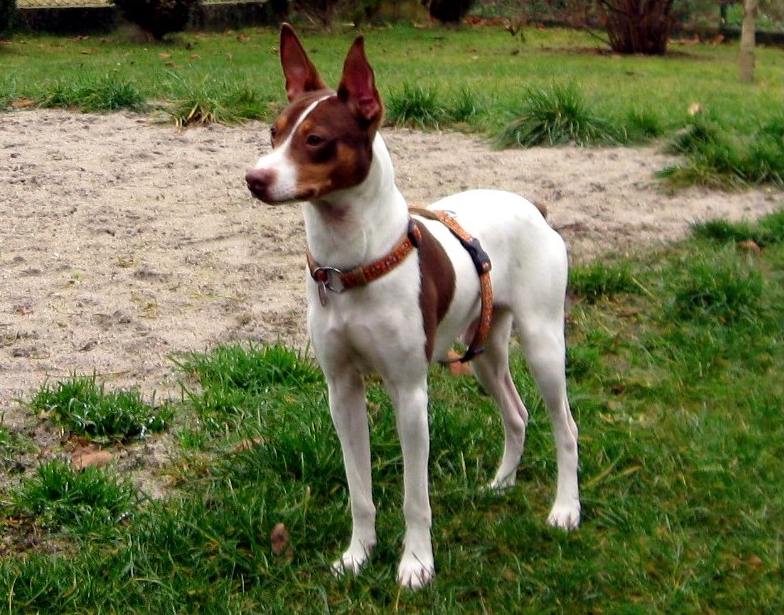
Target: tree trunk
[[746, 56]]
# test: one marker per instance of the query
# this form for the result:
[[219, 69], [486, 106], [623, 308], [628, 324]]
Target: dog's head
[[323, 140]]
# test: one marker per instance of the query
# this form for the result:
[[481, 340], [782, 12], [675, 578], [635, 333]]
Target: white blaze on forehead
[[284, 185]]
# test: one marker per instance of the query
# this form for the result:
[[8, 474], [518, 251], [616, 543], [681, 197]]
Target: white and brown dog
[[419, 292]]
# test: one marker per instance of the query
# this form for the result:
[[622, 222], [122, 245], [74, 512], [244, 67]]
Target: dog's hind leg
[[492, 371], [349, 414], [545, 350]]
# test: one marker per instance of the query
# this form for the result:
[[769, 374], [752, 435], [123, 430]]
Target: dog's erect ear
[[301, 75], [358, 86]]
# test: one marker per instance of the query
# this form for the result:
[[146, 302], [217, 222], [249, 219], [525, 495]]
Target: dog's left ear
[[358, 85]]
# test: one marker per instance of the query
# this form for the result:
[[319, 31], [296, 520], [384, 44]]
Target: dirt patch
[[123, 241]]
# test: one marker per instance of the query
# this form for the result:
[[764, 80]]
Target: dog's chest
[[371, 324]]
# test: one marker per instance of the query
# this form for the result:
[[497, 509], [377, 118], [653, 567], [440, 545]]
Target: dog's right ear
[[301, 75]]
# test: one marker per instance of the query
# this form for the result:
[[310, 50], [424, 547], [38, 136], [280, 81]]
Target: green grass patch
[[235, 379], [599, 279], [107, 93], [217, 102], [85, 408], [415, 106], [768, 231], [60, 497], [722, 287], [554, 116], [719, 158]]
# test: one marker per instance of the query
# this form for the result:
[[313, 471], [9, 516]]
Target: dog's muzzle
[[259, 182]]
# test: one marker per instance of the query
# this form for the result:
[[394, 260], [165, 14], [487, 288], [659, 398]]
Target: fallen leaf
[[279, 539], [248, 443], [754, 561], [749, 245], [164, 55], [22, 103], [695, 108], [85, 458]]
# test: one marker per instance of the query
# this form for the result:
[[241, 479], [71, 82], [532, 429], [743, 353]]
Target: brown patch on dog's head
[[331, 149], [323, 139]]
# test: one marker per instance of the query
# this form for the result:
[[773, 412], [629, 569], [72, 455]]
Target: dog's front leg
[[416, 566], [349, 414]]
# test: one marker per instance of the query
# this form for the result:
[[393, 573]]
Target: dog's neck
[[358, 225]]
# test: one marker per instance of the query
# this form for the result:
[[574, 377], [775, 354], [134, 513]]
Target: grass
[[105, 93], [555, 116], [83, 407], [768, 231], [677, 392], [475, 78], [718, 158], [59, 497], [597, 280]]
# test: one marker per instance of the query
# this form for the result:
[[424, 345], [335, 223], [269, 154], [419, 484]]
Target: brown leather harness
[[365, 274]]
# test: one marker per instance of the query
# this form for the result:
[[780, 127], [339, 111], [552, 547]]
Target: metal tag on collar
[[324, 283]]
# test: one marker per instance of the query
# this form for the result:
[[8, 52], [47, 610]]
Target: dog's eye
[[273, 132], [314, 140]]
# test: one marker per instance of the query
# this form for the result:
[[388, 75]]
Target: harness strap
[[483, 266], [365, 274]]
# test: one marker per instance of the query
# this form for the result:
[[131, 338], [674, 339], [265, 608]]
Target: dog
[[390, 292]]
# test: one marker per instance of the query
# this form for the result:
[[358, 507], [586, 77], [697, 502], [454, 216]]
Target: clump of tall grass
[[107, 93], [555, 116], [767, 231], [212, 101], [85, 408], [60, 496], [721, 287], [601, 280], [717, 159], [642, 125], [415, 106], [231, 375]]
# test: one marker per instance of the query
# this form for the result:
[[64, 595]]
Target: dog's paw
[[503, 483], [414, 572], [565, 516], [352, 561]]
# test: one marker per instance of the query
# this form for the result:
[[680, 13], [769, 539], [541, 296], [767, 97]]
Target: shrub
[[554, 117], [448, 11], [157, 17], [7, 14], [638, 26]]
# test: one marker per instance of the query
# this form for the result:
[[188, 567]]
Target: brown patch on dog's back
[[438, 285]]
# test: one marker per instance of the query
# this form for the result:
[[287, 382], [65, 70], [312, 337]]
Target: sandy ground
[[123, 241]]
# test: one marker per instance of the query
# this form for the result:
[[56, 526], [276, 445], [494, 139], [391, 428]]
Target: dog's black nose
[[259, 181]]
